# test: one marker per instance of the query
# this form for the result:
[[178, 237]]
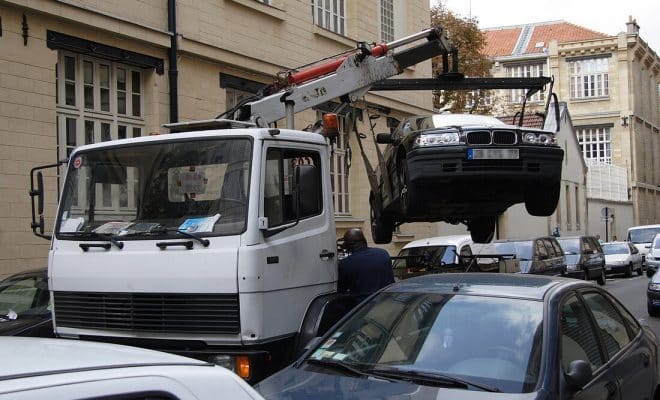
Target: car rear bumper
[[449, 162], [616, 268]]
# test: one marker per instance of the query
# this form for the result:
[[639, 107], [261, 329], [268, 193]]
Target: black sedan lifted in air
[[463, 168]]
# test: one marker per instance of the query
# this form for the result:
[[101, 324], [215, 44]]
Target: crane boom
[[348, 77]]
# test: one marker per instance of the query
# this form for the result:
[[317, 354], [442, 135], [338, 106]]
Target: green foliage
[[465, 35]]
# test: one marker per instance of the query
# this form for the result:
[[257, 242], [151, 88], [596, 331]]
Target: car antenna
[[473, 261]]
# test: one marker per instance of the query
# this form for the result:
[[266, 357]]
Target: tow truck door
[[296, 259]]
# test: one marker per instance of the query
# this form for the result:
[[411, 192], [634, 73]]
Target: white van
[[432, 255], [642, 236]]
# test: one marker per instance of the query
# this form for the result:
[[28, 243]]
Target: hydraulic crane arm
[[348, 77]]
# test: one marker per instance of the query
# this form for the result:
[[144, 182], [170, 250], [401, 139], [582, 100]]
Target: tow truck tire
[[482, 229], [541, 201]]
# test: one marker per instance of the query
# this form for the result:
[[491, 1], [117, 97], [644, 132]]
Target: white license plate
[[492, 154]]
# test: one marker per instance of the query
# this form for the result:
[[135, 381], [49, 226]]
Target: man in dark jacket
[[366, 270]]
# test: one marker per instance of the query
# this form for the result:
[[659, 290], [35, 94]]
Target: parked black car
[[585, 258], [24, 305], [463, 169], [541, 256], [478, 336], [653, 296]]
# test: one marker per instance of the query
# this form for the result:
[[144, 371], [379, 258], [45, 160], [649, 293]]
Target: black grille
[[154, 312], [478, 137], [504, 137]]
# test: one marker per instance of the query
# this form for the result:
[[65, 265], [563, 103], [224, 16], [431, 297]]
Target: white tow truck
[[218, 241]]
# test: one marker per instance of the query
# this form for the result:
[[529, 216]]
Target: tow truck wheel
[[482, 229], [542, 201]]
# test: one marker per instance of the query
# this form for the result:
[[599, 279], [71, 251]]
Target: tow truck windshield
[[198, 187]]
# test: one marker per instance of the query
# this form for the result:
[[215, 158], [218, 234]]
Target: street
[[632, 293]]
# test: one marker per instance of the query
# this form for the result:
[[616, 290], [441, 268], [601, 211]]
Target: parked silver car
[[38, 368], [622, 257]]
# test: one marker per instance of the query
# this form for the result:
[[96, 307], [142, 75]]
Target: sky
[[608, 17]]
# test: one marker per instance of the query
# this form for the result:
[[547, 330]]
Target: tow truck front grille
[[152, 312]]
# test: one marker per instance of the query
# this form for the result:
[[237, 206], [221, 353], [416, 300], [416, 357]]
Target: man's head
[[354, 239]]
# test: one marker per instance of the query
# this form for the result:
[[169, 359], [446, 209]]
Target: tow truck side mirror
[[38, 192], [384, 138]]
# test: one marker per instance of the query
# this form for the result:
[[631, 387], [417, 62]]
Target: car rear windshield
[[570, 246], [615, 248], [434, 255], [485, 340]]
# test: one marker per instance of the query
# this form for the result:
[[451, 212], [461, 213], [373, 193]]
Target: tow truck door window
[[279, 190]]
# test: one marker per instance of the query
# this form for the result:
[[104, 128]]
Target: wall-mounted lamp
[[624, 121]]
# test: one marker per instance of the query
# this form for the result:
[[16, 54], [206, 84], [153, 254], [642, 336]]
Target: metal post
[[289, 113]]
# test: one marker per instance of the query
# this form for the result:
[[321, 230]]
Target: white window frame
[[589, 78], [595, 143], [78, 125], [330, 15], [387, 30], [533, 70]]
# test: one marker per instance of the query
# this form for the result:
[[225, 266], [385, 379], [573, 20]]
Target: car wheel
[[629, 271], [652, 311], [482, 229], [602, 280], [408, 195], [649, 273], [640, 271], [381, 230], [542, 201]]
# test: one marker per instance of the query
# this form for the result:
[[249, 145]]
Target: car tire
[[408, 195], [602, 279], [640, 271], [652, 311], [629, 271], [482, 229], [381, 229], [649, 273], [541, 201]]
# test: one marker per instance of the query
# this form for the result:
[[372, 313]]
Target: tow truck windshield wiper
[[204, 242], [428, 378], [105, 236]]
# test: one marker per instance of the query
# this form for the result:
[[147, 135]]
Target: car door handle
[[326, 255], [611, 390], [646, 360]]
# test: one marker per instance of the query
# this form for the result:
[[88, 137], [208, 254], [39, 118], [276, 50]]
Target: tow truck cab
[[210, 244]]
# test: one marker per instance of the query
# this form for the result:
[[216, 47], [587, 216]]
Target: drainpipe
[[173, 71]]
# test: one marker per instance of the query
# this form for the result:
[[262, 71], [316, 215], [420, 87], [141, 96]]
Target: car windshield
[[642, 235], [570, 246], [200, 186], [522, 249], [615, 248], [425, 256], [24, 296], [439, 333]]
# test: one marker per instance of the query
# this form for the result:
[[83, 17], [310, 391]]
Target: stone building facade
[[81, 71], [611, 85]]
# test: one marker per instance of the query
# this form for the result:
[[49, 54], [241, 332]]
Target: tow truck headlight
[[437, 139]]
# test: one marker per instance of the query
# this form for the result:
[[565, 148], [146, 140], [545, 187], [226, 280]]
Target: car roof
[[525, 286], [26, 356], [455, 240]]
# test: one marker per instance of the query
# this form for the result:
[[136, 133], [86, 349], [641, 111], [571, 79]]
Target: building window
[[98, 101], [589, 78], [235, 96], [484, 98], [567, 196], [341, 193], [524, 71], [386, 20], [596, 144], [330, 14]]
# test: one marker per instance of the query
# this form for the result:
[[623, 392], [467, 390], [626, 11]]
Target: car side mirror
[[579, 374], [384, 138]]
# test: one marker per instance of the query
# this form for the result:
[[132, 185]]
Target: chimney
[[631, 26]]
